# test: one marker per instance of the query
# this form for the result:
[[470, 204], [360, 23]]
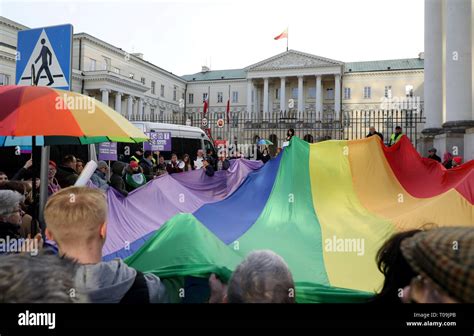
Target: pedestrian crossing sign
[[44, 57]]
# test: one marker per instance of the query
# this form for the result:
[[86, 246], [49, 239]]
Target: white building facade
[[292, 84]]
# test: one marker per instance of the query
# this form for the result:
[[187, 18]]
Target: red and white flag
[[205, 108], [282, 35]]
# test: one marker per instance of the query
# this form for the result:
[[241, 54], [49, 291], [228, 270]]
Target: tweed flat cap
[[446, 256]]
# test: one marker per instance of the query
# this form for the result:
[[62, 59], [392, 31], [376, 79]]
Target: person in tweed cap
[[444, 261]]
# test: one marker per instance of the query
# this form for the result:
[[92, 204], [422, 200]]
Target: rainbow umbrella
[[57, 117], [42, 116]]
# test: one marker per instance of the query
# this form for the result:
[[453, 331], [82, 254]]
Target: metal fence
[[310, 126]]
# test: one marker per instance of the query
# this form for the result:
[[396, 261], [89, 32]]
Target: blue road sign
[[44, 57]]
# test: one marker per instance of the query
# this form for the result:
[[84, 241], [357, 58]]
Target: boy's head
[[76, 217]]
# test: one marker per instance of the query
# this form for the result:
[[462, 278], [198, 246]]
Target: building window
[[367, 92], [294, 93], [107, 63], [182, 95], [191, 98], [330, 93], [312, 92], [204, 96], [277, 93], [235, 97], [162, 90], [4, 79], [142, 80], [174, 93], [347, 93], [409, 90], [153, 85], [116, 70], [93, 64], [220, 97], [388, 92]]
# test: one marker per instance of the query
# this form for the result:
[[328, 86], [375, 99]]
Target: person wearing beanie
[[443, 258], [116, 179], [134, 177], [457, 161], [100, 176]]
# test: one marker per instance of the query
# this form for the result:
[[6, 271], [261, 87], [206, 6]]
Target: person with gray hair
[[263, 277], [23, 279], [99, 178], [11, 214]]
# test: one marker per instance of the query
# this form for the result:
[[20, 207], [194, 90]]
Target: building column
[[300, 97], [458, 62], [433, 84], [105, 96], [283, 95], [265, 98], [256, 105], [458, 115], [337, 96], [249, 98], [140, 108], [319, 98], [130, 107], [118, 102]]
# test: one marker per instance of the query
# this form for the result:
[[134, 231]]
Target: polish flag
[[282, 35]]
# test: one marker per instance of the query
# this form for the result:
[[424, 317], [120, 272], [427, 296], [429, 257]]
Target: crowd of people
[[419, 265], [142, 167]]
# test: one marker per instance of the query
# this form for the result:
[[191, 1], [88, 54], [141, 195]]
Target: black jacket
[[116, 179], [147, 170], [66, 176], [209, 170], [434, 157], [9, 230]]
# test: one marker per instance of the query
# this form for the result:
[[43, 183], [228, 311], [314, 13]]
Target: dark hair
[[147, 154], [393, 265], [2, 173], [398, 127], [79, 161], [290, 130], [174, 154], [186, 155], [69, 159]]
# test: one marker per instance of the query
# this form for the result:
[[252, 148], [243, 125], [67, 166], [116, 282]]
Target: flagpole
[[287, 37]]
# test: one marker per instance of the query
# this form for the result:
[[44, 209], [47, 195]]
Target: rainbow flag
[[326, 208]]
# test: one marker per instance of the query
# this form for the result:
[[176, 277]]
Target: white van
[[184, 139]]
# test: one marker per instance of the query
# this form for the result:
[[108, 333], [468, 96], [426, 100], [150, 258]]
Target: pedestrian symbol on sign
[[45, 52], [44, 57]]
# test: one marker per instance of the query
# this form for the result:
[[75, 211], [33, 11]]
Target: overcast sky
[[180, 36]]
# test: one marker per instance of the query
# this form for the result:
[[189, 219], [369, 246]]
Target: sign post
[[44, 58]]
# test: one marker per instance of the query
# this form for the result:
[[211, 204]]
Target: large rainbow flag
[[326, 208]]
